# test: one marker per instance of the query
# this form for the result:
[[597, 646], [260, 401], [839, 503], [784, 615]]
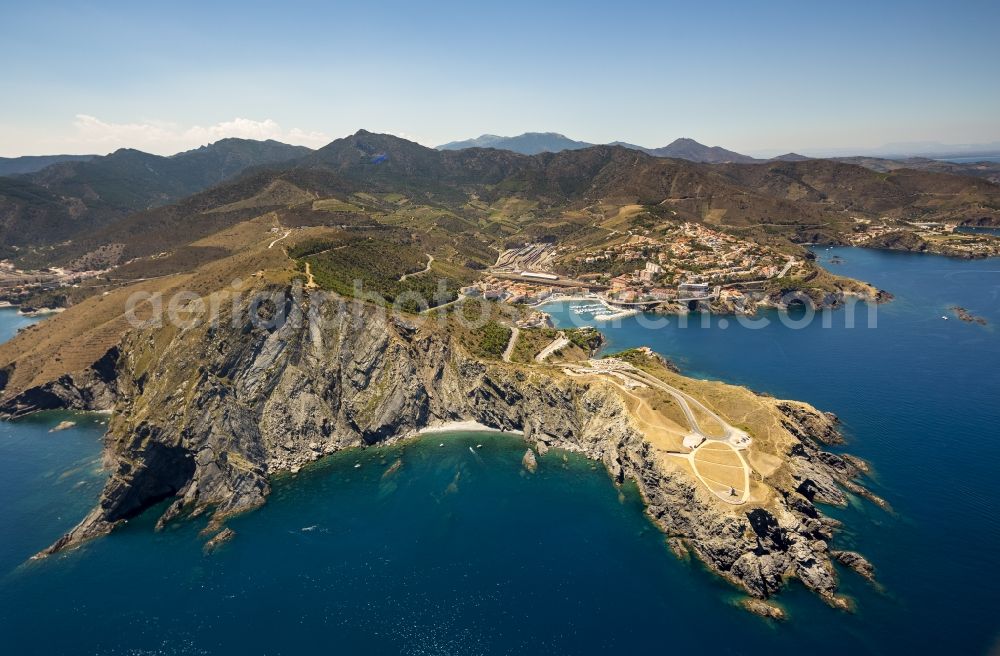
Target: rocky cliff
[[207, 414]]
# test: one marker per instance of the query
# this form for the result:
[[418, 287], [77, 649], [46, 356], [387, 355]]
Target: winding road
[[430, 261]]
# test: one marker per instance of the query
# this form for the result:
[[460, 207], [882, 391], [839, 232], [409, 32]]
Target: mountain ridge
[[811, 200], [59, 201], [534, 143], [528, 143], [32, 163]]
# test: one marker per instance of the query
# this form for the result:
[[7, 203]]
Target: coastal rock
[[219, 539], [92, 389], [856, 562], [393, 468], [900, 240], [529, 462], [967, 316], [856, 462], [806, 424], [62, 425], [764, 609], [862, 491], [678, 548]]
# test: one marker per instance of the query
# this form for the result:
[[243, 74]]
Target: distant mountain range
[[693, 151], [810, 200], [73, 205], [59, 201], [533, 143], [925, 149], [529, 143], [32, 163]]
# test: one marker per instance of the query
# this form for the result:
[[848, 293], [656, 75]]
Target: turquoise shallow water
[[11, 322], [461, 552]]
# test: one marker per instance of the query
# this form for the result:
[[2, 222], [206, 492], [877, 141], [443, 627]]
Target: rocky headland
[[207, 414]]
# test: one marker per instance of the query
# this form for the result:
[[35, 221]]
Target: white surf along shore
[[455, 426]]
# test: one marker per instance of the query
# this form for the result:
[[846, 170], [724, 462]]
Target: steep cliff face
[[207, 414], [94, 388]]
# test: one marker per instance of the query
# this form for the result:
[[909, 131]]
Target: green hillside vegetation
[[489, 341], [587, 339], [371, 265], [530, 342], [574, 197]]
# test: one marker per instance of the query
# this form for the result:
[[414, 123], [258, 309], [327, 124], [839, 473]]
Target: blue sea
[[11, 322], [461, 552], [972, 160], [976, 230]]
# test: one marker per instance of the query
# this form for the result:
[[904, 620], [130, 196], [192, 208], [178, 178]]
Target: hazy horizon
[[759, 80], [925, 148]]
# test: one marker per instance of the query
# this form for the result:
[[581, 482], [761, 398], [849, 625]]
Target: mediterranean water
[[972, 160], [460, 551], [974, 230]]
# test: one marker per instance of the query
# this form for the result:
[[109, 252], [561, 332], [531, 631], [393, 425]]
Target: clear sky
[[757, 77]]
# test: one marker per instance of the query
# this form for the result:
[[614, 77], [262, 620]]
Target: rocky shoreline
[[207, 417], [753, 305]]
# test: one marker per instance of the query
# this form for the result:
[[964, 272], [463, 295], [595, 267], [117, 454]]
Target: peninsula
[[373, 288], [205, 412]]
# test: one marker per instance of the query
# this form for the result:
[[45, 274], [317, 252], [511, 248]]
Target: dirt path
[[458, 299], [708, 471], [730, 434], [287, 232]]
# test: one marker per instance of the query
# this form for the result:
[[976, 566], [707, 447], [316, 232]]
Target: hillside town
[[688, 263]]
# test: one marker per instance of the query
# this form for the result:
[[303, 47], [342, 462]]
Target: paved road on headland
[[507, 352], [557, 343]]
